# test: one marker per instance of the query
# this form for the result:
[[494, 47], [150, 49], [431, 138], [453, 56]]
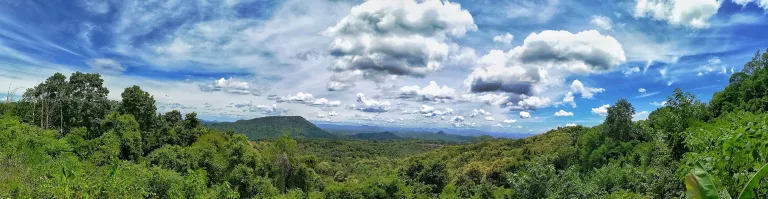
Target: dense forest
[[66, 139]]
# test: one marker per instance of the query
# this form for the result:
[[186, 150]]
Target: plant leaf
[[699, 185], [748, 190]]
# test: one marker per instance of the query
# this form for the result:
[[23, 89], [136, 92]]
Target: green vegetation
[[64, 139], [273, 127]]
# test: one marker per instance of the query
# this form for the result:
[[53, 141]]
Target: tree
[[87, 102], [126, 129], [172, 117], [141, 105], [618, 123]]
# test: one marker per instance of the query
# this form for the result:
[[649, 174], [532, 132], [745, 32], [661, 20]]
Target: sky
[[521, 66]]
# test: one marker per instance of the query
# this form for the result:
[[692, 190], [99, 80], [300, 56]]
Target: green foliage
[[65, 140], [746, 91], [140, 104], [273, 127]]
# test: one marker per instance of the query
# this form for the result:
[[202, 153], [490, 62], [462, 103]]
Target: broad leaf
[[748, 191], [699, 185]]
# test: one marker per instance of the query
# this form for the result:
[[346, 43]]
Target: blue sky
[[504, 66]]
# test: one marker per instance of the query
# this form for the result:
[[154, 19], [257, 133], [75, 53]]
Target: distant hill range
[[447, 134], [386, 135], [297, 127], [273, 127]]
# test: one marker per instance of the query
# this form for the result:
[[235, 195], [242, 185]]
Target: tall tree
[[141, 105], [87, 101], [618, 123]]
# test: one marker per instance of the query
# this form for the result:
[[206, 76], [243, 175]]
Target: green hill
[[273, 127], [386, 135], [440, 135]]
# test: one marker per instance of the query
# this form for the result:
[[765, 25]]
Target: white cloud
[[602, 110], [563, 113], [632, 70], [104, 65], [431, 92], [531, 103], [479, 112], [570, 124], [642, 90], [586, 92], [333, 113], [544, 60], [601, 22], [568, 99], [380, 38], [640, 115], [300, 97], [689, 13], [714, 64], [505, 38], [525, 115], [498, 125], [488, 98], [370, 105], [662, 103], [489, 118], [760, 3], [457, 118], [271, 110], [326, 102], [510, 121], [230, 85]]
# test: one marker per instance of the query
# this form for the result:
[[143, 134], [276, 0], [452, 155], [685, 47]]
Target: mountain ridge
[[271, 127]]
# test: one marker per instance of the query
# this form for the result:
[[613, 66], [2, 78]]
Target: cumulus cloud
[[230, 85], [530, 103], [479, 112], [457, 118], [488, 98], [408, 38], [689, 13], [760, 3], [429, 111], [545, 59], [714, 64], [104, 65], [270, 110], [570, 124], [662, 103], [602, 110], [370, 105], [586, 92], [632, 70], [504, 38], [601, 22], [640, 115], [510, 121], [489, 118], [563, 113], [568, 99], [525, 115], [300, 97], [326, 102], [642, 90], [431, 92], [333, 113]]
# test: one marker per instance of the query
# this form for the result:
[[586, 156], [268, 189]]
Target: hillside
[[386, 135], [439, 136], [273, 127]]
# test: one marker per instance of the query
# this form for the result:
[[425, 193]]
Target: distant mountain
[[386, 135], [273, 127], [355, 129], [440, 135]]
